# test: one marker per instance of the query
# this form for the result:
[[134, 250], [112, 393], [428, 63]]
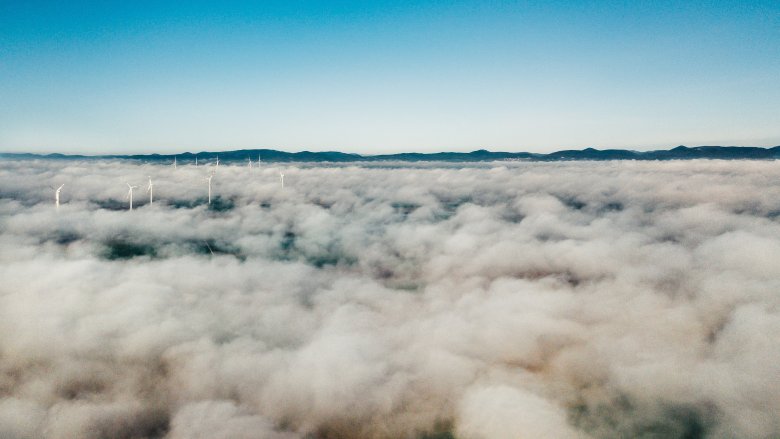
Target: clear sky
[[387, 76]]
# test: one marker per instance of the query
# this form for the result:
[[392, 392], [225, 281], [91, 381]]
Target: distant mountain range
[[270, 155]]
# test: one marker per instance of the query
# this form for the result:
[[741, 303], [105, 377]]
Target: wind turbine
[[209, 179], [217, 162], [130, 194], [57, 196], [150, 189], [281, 179], [196, 161], [174, 162], [249, 159]]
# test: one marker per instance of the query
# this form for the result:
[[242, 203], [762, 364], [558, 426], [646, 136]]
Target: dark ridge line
[[269, 155]]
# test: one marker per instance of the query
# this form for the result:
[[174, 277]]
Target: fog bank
[[494, 300]]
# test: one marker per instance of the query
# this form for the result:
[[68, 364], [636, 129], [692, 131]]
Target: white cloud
[[491, 300]]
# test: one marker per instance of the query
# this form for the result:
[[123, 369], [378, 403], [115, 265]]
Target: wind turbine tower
[[174, 162], [150, 189], [209, 180], [281, 179], [57, 196], [130, 194]]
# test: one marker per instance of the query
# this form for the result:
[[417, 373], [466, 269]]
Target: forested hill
[[270, 155]]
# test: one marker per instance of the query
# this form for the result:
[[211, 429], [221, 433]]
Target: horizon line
[[443, 151]]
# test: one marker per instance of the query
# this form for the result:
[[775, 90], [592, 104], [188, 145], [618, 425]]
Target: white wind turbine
[[174, 162], [130, 194], [196, 161], [57, 196], [249, 159], [217, 162], [281, 179], [209, 180], [150, 189]]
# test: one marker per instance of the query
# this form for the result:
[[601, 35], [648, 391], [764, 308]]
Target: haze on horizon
[[384, 77]]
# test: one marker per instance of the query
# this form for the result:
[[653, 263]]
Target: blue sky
[[387, 76]]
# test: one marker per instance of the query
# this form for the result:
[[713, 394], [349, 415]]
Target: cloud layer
[[503, 300]]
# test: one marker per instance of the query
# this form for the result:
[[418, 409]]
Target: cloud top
[[602, 300]]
